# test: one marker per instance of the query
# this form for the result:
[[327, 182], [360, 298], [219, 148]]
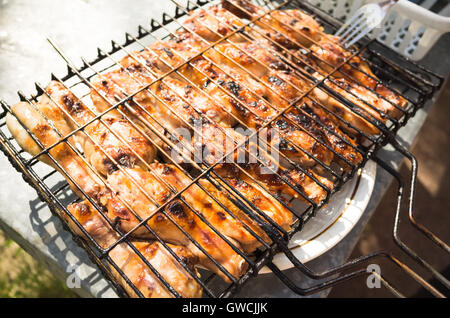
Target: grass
[[22, 276]]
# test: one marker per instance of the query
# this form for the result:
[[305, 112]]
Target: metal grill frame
[[370, 51]]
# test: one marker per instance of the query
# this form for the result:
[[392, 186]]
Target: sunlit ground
[[22, 276]]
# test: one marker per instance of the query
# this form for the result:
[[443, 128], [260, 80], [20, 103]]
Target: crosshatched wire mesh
[[309, 75]]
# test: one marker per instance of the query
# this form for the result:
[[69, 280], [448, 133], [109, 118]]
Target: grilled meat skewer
[[275, 89], [65, 159], [235, 82], [171, 98], [230, 225], [116, 193], [110, 138], [131, 264], [326, 53], [286, 88], [145, 197], [79, 113]]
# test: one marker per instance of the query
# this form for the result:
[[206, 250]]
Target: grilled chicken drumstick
[[110, 138], [228, 224], [232, 227], [220, 219], [281, 85], [143, 195], [118, 193], [65, 159], [179, 101], [287, 28], [131, 264], [238, 81]]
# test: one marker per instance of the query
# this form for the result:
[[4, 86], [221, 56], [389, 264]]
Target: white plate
[[333, 222]]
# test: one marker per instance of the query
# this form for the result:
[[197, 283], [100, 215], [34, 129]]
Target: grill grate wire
[[413, 83]]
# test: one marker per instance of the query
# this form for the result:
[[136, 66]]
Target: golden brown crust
[[130, 262]]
